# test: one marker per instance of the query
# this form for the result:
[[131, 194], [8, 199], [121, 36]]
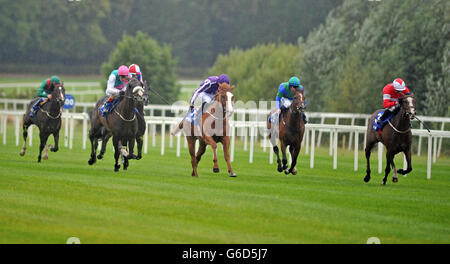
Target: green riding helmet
[[294, 81], [55, 79]]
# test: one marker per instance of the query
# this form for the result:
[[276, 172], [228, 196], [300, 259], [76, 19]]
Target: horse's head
[[298, 103], [59, 93], [135, 90], [226, 98], [408, 103]]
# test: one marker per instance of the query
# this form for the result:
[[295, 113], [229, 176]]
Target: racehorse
[[141, 126], [121, 123], [290, 132], [214, 129], [47, 119], [396, 137]]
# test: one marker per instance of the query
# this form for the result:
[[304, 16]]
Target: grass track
[[157, 201]]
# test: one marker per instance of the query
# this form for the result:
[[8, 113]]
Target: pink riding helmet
[[123, 70]]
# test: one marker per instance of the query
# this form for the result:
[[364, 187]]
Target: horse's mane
[[224, 86]]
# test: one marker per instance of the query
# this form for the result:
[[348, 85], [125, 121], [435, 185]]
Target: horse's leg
[[209, 140], [140, 142], [369, 145], [283, 152], [131, 148], [45, 156], [94, 145], [201, 151], [294, 153], [277, 152], [104, 144], [25, 135], [408, 161], [389, 160], [43, 137], [56, 139], [117, 152], [191, 144], [226, 153], [395, 177]]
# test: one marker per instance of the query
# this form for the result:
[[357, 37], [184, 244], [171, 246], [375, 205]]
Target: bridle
[[297, 107], [409, 112], [226, 113]]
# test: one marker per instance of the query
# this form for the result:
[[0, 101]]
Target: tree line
[[345, 62], [83, 33]]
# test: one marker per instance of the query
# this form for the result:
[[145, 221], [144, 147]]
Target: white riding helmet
[[399, 85]]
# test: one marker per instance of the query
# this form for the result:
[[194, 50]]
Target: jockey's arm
[[387, 102], [205, 85], [110, 89]]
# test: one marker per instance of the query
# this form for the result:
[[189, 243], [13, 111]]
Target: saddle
[[108, 107], [377, 125]]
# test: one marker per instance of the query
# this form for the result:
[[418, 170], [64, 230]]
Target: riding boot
[[35, 107], [106, 108], [273, 119], [383, 117]]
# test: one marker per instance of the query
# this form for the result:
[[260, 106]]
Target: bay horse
[[290, 131], [396, 136], [214, 129], [47, 119], [141, 126], [121, 123]]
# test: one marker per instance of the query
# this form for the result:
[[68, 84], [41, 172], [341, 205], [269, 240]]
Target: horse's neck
[[52, 105], [127, 107], [294, 120], [401, 121]]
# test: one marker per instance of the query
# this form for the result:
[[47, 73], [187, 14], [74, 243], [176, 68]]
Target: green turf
[[157, 201]]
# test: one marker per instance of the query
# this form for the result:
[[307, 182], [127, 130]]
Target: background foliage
[[159, 70]]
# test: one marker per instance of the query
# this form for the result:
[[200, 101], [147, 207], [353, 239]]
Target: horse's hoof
[[232, 174], [394, 179], [383, 183], [53, 149], [99, 156], [294, 172], [131, 156], [367, 179], [22, 153], [45, 157], [138, 157], [279, 169], [286, 172], [216, 170], [116, 168]]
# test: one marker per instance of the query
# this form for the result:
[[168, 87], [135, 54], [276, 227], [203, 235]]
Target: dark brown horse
[[290, 131], [141, 127], [121, 123], [396, 136], [47, 119], [214, 129]]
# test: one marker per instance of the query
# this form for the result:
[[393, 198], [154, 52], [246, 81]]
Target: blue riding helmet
[[294, 81]]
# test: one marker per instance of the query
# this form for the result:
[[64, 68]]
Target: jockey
[[286, 90], [117, 84], [45, 93], [135, 70], [208, 89], [391, 93]]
